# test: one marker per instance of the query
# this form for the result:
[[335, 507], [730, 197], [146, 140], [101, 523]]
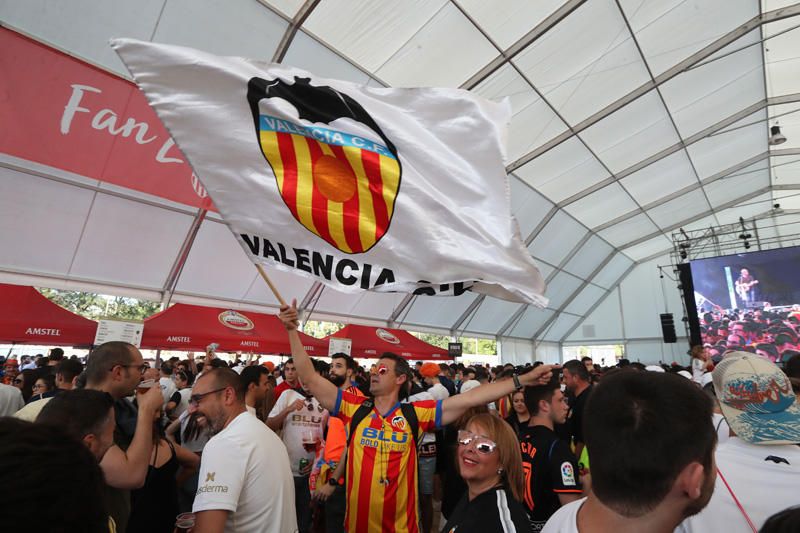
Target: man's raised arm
[[454, 406], [323, 390]]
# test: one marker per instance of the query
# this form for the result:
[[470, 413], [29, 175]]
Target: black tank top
[[155, 505]]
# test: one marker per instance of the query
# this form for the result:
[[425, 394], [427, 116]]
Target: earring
[[499, 471]]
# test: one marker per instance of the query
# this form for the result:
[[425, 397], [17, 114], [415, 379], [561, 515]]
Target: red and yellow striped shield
[[339, 185]]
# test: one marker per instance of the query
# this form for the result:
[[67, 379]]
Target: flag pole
[[271, 286]]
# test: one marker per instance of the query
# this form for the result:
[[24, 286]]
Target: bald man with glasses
[[116, 368], [245, 482]]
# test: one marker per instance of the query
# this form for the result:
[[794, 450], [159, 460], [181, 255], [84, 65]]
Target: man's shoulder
[[565, 520]]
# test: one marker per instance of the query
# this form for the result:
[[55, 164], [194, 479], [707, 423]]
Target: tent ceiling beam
[[407, 299], [682, 145], [730, 37], [726, 205], [312, 293], [574, 295], [54, 175], [473, 307], [180, 260], [602, 299], [689, 188], [663, 103], [509, 53], [295, 24]]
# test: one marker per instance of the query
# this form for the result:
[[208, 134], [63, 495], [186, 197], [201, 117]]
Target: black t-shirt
[[576, 408], [550, 468], [493, 511]]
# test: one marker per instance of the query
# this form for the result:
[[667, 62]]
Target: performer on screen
[[745, 287]]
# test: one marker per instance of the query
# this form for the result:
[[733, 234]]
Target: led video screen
[[748, 300]]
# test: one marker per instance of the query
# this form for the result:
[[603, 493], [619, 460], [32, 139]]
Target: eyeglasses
[[383, 369], [482, 444], [38, 386], [194, 399], [141, 368]]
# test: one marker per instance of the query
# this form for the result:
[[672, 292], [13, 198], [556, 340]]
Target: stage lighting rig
[[745, 235]]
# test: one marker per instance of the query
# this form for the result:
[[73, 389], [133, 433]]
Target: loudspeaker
[[668, 328]]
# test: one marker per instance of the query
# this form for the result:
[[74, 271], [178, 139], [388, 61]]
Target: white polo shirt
[[761, 485], [245, 470]]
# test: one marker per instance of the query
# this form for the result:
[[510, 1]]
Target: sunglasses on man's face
[[483, 445]]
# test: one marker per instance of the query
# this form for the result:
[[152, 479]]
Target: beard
[[337, 380]]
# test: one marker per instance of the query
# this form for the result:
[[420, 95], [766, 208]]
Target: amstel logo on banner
[[236, 320], [340, 185], [387, 336]]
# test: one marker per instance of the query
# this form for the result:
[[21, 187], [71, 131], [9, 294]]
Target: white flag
[[392, 190]]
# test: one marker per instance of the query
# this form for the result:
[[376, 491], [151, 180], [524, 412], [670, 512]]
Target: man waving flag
[[392, 190]]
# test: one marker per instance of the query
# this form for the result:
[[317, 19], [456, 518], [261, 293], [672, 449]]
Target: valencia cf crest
[[337, 172], [399, 423]]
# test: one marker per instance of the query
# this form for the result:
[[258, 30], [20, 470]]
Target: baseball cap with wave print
[[757, 400]]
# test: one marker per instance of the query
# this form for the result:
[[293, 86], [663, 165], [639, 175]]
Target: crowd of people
[[309, 446], [766, 331]]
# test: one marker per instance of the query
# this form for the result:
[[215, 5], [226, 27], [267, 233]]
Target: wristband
[[517, 385]]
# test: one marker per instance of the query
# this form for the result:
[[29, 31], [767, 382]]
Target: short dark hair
[[185, 375], [166, 368], [792, 366], [105, 357], [79, 412], [586, 358], [533, 395], [769, 348], [44, 460], [69, 369], [401, 368], [56, 354], [225, 377], [349, 361], [576, 368], [252, 374], [642, 429], [782, 338], [786, 521]]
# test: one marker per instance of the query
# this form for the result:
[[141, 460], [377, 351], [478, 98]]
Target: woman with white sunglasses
[[489, 462]]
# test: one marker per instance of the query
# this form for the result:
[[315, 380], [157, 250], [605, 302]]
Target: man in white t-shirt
[[168, 387], [256, 383], [759, 466], [11, 400], [652, 451], [245, 484], [301, 420]]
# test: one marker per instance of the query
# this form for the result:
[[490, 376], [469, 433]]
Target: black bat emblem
[[321, 104]]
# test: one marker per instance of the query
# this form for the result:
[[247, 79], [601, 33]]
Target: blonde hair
[[510, 457]]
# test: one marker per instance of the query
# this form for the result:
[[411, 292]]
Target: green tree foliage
[[320, 329], [95, 306], [431, 338]]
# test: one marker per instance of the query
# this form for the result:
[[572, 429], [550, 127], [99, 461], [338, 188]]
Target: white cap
[[654, 368], [469, 385]]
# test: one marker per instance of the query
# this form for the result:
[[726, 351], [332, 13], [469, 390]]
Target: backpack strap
[[361, 413], [413, 422]]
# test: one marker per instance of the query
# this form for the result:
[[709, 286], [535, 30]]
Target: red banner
[[64, 113]]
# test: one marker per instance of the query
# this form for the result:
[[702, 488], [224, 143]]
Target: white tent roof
[[631, 119]]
